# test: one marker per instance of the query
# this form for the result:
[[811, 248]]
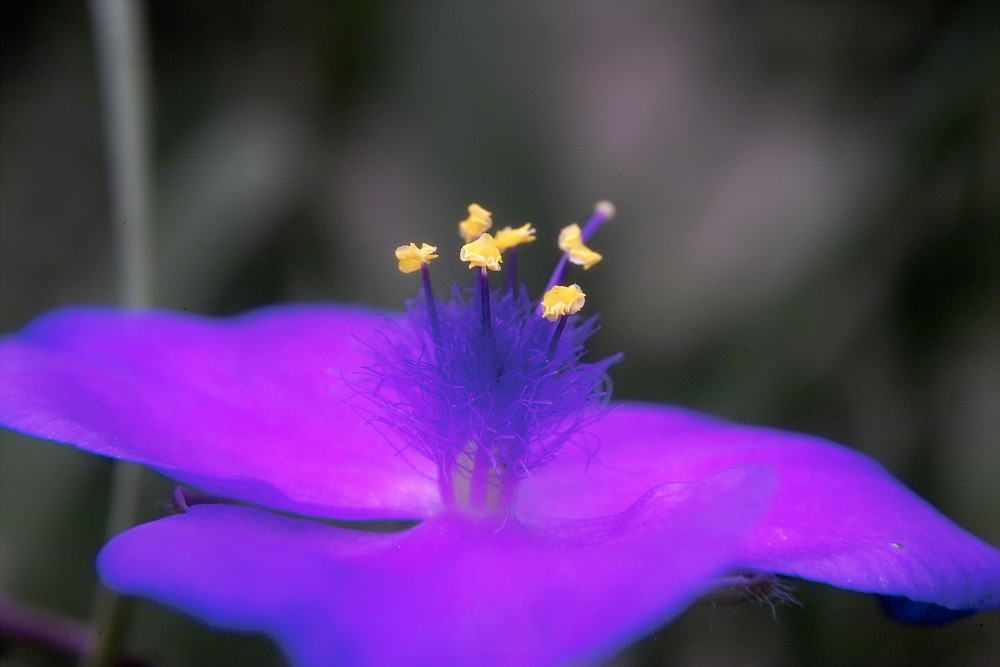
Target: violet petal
[[837, 518], [253, 407], [456, 589]]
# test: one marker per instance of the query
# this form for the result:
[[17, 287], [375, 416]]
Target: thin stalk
[[603, 212], [512, 270], [487, 353], [484, 300], [431, 305], [121, 45], [480, 478], [554, 341]]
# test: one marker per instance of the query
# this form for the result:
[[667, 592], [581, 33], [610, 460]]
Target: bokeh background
[[808, 235]]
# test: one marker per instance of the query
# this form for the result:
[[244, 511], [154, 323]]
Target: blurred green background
[[808, 235]]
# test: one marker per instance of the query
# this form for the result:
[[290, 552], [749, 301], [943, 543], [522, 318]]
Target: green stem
[[120, 35], [121, 44]]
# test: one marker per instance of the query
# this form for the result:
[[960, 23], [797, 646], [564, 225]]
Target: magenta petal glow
[[837, 517], [252, 407], [455, 589]]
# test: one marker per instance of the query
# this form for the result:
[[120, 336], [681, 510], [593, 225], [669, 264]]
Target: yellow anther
[[571, 243], [569, 237], [481, 252], [560, 301], [411, 258], [509, 237], [584, 256], [479, 221]]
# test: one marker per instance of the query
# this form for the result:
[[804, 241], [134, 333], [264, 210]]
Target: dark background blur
[[808, 234]]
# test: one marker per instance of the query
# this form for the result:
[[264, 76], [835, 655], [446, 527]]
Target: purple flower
[[548, 526]]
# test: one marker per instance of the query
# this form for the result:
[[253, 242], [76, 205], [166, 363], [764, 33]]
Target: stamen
[[509, 238], [512, 270], [479, 221], [571, 242], [604, 211], [560, 301], [412, 258], [475, 479], [432, 314], [480, 477], [484, 293], [483, 253], [484, 403], [488, 350], [554, 341], [558, 304]]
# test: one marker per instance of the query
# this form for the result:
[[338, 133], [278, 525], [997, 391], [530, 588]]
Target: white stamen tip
[[605, 208]]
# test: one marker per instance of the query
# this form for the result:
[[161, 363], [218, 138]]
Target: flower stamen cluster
[[491, 383]]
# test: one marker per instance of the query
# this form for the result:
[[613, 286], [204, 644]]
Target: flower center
[[490, 383]]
